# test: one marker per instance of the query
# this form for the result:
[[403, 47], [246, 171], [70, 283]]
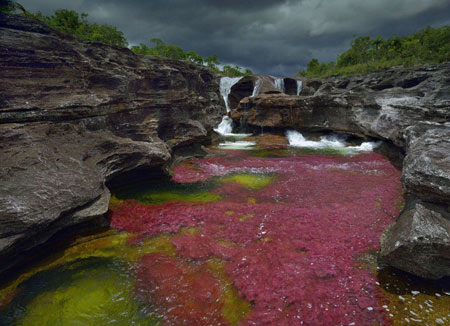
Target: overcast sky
[[267, 36]]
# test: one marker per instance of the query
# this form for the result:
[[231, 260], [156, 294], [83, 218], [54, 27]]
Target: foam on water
[[241, 144], [296, 139], [225, 126]]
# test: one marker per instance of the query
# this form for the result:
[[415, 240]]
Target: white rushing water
[[241, 144], [225, 127], [256, 88], [299, 87], [279, 84], [225, 88], [296, 139]]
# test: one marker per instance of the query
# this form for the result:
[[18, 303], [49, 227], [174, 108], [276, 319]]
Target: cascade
[[279, 84], [256, 88], [299, 87], [225, 127], [225, 88]]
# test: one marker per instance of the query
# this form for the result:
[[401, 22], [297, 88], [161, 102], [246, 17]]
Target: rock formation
[[407, 109], [77, 115]]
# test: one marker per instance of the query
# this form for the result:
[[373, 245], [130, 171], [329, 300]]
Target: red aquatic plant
[[292, 248], [185, 294]]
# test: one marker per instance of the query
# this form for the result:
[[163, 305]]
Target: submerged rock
[[75, 115]]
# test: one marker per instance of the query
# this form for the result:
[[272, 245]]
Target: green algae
[[158, 193], [271, 153], [94, 291], [250, 181], [234, 307], [110, 244]]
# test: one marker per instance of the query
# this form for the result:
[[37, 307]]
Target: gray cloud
[[268, 36]]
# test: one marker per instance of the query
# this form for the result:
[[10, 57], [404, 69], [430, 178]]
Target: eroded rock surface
[[74, 115], [408, 109]]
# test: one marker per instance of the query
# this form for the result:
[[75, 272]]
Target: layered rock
[[408, 109], [77, 115]]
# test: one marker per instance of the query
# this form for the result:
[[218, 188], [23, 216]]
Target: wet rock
[[75, 115], [255, 85], [419, 242]]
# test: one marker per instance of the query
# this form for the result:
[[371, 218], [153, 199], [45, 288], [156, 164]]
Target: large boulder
[[426, 168], [419, 242], [76, 116]]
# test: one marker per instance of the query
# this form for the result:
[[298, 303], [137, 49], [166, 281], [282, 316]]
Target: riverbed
[[250, 235]]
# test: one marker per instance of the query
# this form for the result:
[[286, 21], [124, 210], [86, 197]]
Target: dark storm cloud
[[268, 36]]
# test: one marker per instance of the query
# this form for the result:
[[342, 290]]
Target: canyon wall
[[75, 116]]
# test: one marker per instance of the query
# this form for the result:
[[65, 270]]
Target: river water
[[267, 235]]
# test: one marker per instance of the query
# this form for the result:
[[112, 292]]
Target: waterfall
[[279, 84], [225, 127], [225, 88], [299, 87], [256, 88]]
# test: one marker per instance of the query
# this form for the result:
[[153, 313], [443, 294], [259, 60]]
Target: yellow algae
[[412, 301], [229, 212], [251, 200], [265, 239], [246, 217], [250, 181], [114, 202], [234, 307], [227, 243], [158, 244], [189, 230]]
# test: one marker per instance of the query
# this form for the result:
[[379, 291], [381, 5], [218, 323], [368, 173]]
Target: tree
[[7, 7], [75, 24]]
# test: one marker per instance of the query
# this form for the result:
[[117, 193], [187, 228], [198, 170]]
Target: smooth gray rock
[[419, 241], [75, 116], [426, 168]]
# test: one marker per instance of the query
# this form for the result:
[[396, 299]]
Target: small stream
[[266, 235]]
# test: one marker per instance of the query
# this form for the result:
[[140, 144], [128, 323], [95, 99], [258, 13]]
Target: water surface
[[263, 236]]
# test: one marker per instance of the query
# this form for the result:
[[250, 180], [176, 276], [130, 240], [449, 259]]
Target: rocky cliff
[[410, 111], [75, 116]]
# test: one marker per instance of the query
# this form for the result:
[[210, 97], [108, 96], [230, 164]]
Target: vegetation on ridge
[[176, 52], [430, 45], [73, 23]]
